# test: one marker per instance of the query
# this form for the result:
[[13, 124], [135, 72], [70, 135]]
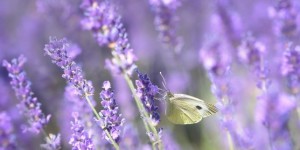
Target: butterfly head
[[169, 94]]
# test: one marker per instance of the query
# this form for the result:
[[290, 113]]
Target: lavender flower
[[227, 21], [251, 53], [7, 136], [286, 18], [262, 74], [110, 119], [80, 138], [29, 105], [273, 112], [165, 21], [217, 60], [290, 68], [215, 56], [146, 92], [74, 103], [124, 58], [52, 142], [57, 50], [102, 20]]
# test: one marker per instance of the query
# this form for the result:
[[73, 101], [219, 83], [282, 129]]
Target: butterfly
[[186, 109]]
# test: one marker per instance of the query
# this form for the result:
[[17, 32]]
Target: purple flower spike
[[215, 57], [111, 120], [52, 142], [146, 92], [273, 112], [29, 104], [165, 21], [7, 138], [290, 68], [58, 51], [80, 138], [286, 18], [250, 51], [102, 19]]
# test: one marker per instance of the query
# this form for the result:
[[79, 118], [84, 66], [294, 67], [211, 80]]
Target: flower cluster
[[273, 112], [165, 21], [290, 68], [57, 50], [7, 137], [286, 18], [251, 52], [124, 58], [146, 92], [227, 21], [110, 118], [29, 104], [101, 18], [215, 57], [74, 103], [114, 35], [52, 142], [80, 138]]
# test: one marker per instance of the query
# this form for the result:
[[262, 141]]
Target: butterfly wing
[[182, 114], [185, 109]]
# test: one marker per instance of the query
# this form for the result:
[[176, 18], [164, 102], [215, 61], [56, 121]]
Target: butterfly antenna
[[164, 81], [161, 90]]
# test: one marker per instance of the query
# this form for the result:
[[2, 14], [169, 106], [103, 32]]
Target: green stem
[[230, 141], [143, 112], [141, 108], [113, 142]]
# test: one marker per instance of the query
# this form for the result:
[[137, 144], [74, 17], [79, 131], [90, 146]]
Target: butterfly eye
[[199, 107]]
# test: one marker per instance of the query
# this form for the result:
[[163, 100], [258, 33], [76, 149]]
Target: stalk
[[113, 142]]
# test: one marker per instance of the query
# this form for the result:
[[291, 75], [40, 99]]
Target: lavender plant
[[146, 92], [290, 68], [254, 79], [108, 28], [29, 104], [218, 63], [286, 18], [80, 139], [7, 135], [57, 50], [74, 103], [110, 119], [165, 22], [53, 142]]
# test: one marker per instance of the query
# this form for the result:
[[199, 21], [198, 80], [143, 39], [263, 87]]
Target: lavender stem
[[230, 142], [113, 142], [143, 112]]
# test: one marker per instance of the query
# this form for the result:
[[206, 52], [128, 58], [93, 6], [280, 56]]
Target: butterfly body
[[186, 109]]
